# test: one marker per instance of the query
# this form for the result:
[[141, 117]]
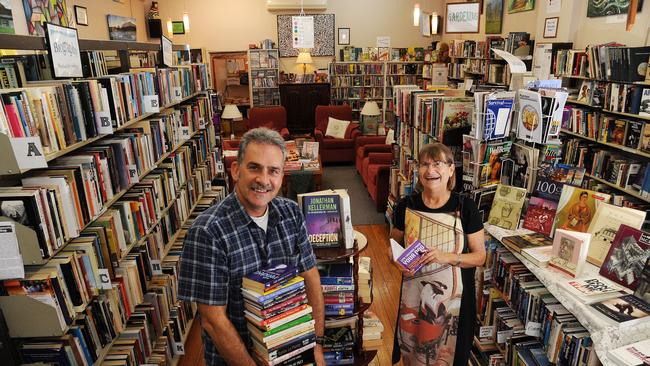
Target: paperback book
[[269, 278], [406, 257], [323, 220], [506, 207], [624, 310]]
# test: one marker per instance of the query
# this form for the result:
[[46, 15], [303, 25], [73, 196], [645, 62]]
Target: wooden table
[[316, 178]]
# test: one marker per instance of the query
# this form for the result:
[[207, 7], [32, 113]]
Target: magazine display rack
[[361, 357], [606, 336]]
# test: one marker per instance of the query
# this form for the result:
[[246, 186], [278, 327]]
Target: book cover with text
[[323, 220]]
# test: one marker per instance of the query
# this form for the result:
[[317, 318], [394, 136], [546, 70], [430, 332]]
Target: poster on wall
[[462, 17], [302, 31], [121, 28], [6, 19], [37, 12], [323, 35], [518, 6], [493, 16], [601, 8]]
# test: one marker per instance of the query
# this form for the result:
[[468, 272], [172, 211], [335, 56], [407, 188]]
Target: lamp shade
[[231, 112], [304, 58], [370, 109]]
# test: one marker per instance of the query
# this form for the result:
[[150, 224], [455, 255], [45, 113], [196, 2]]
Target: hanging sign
[[302, 31], [462, 18]]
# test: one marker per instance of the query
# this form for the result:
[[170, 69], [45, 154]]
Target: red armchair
[[274, 118], [376, 175], [364, 145], [334, 150], [230, 145]]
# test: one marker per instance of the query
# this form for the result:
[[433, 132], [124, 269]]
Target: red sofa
[[274, 118], [376, 176], [334, 150]]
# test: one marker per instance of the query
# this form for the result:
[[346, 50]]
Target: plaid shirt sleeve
[[204, 271], [307, 258]]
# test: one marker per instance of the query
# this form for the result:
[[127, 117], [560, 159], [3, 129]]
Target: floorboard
[[386, 289]]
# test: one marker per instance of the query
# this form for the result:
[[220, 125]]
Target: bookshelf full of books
[[606, 128], [264, 75], [125, 164]]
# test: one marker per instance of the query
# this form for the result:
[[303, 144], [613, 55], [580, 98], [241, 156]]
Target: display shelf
[[605, 335], [626, 191], [629, 115], [484, 347], [188, 328], [619, 147], [263, 69]]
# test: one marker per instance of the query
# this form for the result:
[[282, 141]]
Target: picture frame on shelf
[[81, 15], [178, 27], [550, 27], [63, 51], [462, 17], [344, 36]]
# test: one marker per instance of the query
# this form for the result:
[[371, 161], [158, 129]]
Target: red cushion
[[332, 143]]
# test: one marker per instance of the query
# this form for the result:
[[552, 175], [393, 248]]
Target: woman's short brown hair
[[437, 151]]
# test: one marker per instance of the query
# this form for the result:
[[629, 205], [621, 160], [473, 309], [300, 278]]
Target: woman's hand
[[405, 272], [436, 256]]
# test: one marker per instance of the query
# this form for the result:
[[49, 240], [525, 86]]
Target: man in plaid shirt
[[249, 230]]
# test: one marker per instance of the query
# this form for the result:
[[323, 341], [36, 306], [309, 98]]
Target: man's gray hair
[[261, 135]]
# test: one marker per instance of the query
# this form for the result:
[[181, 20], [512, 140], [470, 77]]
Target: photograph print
[[121, 28], [518, 6], [601, 8]]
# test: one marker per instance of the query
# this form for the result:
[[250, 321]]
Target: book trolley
[[188, 154]]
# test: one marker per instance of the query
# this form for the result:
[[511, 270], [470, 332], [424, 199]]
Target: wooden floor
[[386, 288]]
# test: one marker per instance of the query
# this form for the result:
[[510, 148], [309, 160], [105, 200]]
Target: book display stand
[[182, 153], [361, 357], [264, 77]]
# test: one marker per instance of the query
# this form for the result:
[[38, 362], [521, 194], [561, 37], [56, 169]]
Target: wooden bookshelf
[[626, 191]]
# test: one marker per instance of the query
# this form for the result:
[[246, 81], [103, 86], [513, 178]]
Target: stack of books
[[339, 345], [279, 319], [337, 282], [372, 329], [365, 280]]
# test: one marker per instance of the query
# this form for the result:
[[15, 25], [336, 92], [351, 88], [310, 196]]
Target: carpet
[[364, 211]]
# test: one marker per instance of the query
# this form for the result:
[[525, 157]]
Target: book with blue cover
[[295, 283], [335, 274], [497, 119], [323, 220], [269, 278]]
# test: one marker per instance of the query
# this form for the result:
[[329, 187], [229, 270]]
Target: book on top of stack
[[279, 319]]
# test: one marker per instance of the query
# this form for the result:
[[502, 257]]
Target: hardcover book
[[518, 243], [577, 207], [627, 256], [631, 355], [540, 256], [605, 225], [323, 220], [643, 286], [625, 310], [591, 290], [269, 278], [506, 207], [335, 273], [406, 257], [540, 215], [569, 251]]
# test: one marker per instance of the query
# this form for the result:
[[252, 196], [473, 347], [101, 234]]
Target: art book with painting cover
[[569, 251], [292, 151], [269, 278], [540, 215], [506, 207], [323, 220], [406, 257], [577, 207], [529, 126], [625, 310], [491, 167], [605, 225], [627, 257]]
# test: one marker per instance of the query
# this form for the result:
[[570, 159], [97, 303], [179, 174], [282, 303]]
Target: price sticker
[[504, 335], [104, 279], [533, 329], [151, 104], [179, 348], [104, 123], [133, 173]]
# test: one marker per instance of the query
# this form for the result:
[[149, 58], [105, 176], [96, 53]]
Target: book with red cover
[[540, 215], [626, 257]]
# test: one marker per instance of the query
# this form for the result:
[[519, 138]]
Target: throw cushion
[[390, 136], [336, 128]]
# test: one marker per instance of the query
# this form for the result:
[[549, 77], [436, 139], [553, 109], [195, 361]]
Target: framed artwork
[[323, 35], [601, 8], [493, 16], [550, 27], [121, 28], [63, 50], [518, 6], [462, 17], [178, 27], [37, 12], [80, 15], [344, 36], [425, 24]]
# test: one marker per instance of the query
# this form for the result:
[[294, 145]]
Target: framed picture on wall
[[493, 16], [80, 15], [517, 6], [550, 27], [601, 8], [178, 27], [462, 17], [344, 36]]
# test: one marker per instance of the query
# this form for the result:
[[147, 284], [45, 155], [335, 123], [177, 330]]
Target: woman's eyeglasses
[[438, 164]]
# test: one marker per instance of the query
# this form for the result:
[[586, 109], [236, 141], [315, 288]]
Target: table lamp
[[304, 58], [231, 113], [370, 118]]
